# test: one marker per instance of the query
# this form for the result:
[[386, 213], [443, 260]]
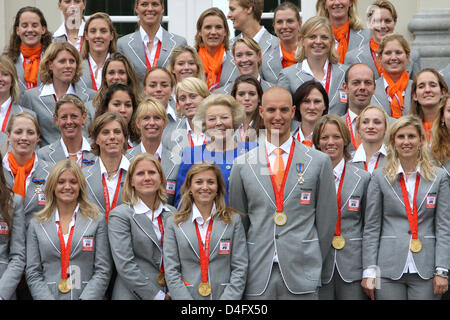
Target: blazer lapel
[[424, 188], [48, 102], [81, 225], [274, 60], [396, 189], [55, 151], [51, 232], [351, 181], [217, 232], [95, 185], [337, 75], [168, 43], [147, 227], [137, 47], [260, 169], [188, 229]]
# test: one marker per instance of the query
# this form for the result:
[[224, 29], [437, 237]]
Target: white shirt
[[146, 40], [97, 71], [286, 147], [307, 69], [49, 90], [259, 34], [198, 139], [201, 223], [299, 134], [353, 117], [338, 173], [72, 223], [28, 180], [141, 208], [3, 111], [360, 156], [112, 183], [61, 31], [158, 152], [85, 146]]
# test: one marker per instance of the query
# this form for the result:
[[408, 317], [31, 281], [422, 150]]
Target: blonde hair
[[187, 202], [69, 98], [198, 62], [45, 74], [251, 44], [343, 129], [192, 85], [355, 20], [25, 115], [310, 26], [87, 208], [440, 136], [380, 109], [237, 109], [113, 44], [427, 169], [6, 65], [381, 4], [150, 105], [129, 195]]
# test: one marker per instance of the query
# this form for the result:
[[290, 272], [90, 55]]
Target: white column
[[308, 9], [183, 17]]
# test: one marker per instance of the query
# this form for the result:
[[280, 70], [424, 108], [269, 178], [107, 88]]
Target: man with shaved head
[[284, 188]]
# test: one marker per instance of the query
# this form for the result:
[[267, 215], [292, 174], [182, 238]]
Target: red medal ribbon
[[338, 199], [7, 117], [412, 215], [279, 193], [108, 206], [155, 61], [65, 250], [327, 84], [376, 164], [161, 229], [94, 84], [204, 250], [348, 121]]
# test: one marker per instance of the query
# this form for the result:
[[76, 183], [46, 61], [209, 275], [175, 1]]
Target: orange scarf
[[20, 173], [395, 91], [32, 57], [212, 66], [288, 57], [342, 34], [427, 127], [374, 48]]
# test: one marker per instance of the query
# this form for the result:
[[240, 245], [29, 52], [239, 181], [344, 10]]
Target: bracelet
[[441, 273]]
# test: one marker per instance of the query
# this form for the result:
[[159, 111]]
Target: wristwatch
[[441, 273]]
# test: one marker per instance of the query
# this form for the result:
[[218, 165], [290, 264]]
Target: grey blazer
[[131, 45], [446, 74], [15, 108], [91, 267], [44, 107], [21, 76], [30, 203], [137, 253], [3, 144], [265, 85], [227, 272], [292, 77], [348, 260], [380, 97], [175, 138], [169, 165], [363, 55], [12, 250], [95, 186], [305, 240], [54, 152], [229, 70], [387, 235], [86, 79]]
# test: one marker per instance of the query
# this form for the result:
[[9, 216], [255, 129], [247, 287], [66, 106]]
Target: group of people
[[309, 164]]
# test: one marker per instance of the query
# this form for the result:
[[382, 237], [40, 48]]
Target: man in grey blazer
[[285, 260], [132, 46], [293, 77]]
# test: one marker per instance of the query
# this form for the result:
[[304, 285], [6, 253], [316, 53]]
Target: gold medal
[[64, 285], [204, 289], [161, 279], [416, 245], [280, 218], [338, 242]]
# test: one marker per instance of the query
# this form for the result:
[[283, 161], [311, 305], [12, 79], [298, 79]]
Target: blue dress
[[224, 161]]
